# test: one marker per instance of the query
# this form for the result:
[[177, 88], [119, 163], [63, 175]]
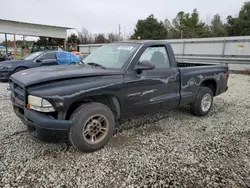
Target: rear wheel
[[203, 102], [93, 126]]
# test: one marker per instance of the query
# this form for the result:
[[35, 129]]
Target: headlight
[[8, 66], [39, 104]]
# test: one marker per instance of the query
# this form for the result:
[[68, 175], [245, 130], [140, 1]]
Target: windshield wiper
[[96, 65]]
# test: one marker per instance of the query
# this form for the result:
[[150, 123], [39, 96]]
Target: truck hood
[[59, 72]]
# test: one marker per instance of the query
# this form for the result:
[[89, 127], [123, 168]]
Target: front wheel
[[93, 126], [203, 102], [20, 69]]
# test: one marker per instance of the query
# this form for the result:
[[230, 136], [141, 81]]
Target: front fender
[[62, 94]]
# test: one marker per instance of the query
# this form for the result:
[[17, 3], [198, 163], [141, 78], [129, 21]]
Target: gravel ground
[[171, 149]]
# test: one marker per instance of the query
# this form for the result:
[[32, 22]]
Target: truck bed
[[189, 64], [192, 76]]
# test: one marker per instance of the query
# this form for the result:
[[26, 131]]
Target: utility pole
[[119, 34], [14, 46], [23, 40], [124, 33], [6, 43], [181, 33]]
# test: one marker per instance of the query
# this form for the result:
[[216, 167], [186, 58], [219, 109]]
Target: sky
[[104, 16]]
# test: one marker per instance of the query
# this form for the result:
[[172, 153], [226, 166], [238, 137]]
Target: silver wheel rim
[[95, 129], [206, 102]]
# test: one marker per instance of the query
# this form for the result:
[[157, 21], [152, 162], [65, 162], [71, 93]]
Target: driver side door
[[151, 90], [47, 59]]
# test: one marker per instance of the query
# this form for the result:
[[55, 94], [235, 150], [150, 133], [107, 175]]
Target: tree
[[113, 37], [42, 40], [73, 38], [218, 29], [186, 25], [171, 30], [192, 26], [85, 37], [45, 40], [178, 25], [48, 41], [57, 41], [240, 26], [150, 28], [99, 38]]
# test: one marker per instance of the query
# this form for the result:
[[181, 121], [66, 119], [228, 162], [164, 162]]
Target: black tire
[[20, 69], [80, 117], [196, 107]]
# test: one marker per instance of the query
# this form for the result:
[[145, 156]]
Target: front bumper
[[42, 127]]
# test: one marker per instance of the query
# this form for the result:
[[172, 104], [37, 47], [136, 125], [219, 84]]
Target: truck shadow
[[143, 125], [150, 119]]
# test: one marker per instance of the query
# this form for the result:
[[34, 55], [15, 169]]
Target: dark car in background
[[37, 59]]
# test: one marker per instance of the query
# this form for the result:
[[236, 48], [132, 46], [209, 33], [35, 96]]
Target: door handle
[[172, 78]]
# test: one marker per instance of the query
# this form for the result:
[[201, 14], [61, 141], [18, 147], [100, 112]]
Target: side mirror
[[144, 65], [39, 60]]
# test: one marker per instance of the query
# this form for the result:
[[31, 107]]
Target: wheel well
[[20, 67], [109, 100], [210, 84]]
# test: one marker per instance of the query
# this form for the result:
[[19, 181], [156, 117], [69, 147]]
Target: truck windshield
[[32, 56], [112, 55]]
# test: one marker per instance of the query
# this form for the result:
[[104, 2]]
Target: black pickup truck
[[116, 81]]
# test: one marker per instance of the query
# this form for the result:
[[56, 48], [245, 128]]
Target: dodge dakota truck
[[116, 81]]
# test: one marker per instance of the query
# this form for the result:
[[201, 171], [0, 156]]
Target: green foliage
[[73, 38], [45, 40], [57, 41], [19, 43], [190, 25], [240, 26], [184, 25], [42, 40], [150, 28], [218, 29]]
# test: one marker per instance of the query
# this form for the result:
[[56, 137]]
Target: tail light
[[227, 75]]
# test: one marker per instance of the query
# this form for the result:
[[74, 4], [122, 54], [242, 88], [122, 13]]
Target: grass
[[18, 57], [247, 72], [244, 72]]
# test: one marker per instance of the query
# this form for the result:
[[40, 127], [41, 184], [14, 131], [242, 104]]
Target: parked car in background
[[2, 57], [37, 59]]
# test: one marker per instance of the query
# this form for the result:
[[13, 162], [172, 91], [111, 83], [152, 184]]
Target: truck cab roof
[[156, 42]]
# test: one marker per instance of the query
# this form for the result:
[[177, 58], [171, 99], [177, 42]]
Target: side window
[[158, 55], [49, 56]]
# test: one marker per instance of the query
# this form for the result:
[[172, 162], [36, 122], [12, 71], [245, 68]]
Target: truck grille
[[17, 94]]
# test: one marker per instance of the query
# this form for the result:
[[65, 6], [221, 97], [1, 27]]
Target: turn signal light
[[28, 107]]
